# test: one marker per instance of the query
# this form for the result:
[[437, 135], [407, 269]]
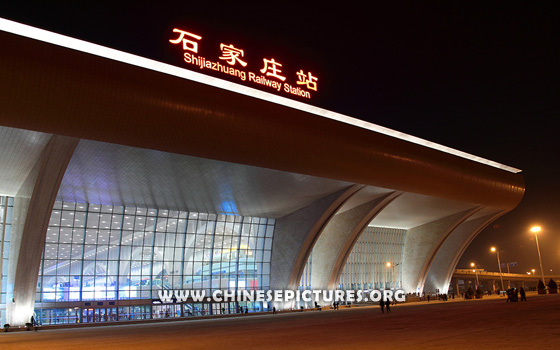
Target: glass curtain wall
[[6, 211], [375, 261], [102, 252]]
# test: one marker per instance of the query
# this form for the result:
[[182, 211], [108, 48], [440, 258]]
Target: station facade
[[122, 177]]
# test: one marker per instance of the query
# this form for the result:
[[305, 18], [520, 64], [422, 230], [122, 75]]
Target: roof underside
[[103, 173]]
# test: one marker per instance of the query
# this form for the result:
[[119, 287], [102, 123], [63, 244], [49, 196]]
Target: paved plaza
[[456, 324]]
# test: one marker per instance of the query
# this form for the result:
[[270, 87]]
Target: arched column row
[[430, 252]]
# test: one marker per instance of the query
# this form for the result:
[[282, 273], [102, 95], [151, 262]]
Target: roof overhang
[[60, 85]]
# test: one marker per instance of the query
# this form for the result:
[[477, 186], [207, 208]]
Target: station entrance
[[99, 314]]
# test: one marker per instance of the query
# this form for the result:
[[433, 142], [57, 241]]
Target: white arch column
[[32, 210], [422, 245], [338, 238], [295, 235], [444, 263]]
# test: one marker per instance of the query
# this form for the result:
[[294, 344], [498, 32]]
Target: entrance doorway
[[166, 311], [99, 314]]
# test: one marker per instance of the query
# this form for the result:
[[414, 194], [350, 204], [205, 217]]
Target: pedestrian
[[382, 304], [428, 297], [387, 305], [522, 293], [34, 323], [274, 310]]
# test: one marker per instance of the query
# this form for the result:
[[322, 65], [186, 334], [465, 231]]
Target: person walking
[[388, 305], [522, 293], [382, 304]]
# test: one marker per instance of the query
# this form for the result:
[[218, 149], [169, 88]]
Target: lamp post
[[535, 230], [493, 249], [393, 272], [388, 265], [476, 274]]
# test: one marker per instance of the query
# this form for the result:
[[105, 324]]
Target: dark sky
[[480, 77]]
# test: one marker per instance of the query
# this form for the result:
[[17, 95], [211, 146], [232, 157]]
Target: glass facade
[[95, 253], [6, 211], [366, 267]]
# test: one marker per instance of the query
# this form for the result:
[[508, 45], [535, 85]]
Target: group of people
[[513, 294], [385, 305]]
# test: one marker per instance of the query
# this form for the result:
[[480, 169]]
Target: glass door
[[87, 315]]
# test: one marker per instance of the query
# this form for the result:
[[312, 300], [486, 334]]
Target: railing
[[483, 273]]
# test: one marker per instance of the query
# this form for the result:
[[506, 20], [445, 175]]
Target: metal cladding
[[62, 91]]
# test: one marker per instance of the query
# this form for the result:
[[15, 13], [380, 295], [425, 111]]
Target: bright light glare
[[536, 229], [493, 249], [388, 264]]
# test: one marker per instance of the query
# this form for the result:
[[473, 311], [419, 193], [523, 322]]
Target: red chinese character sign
[[267, 73]]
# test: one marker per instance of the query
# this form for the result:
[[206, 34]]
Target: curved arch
[[342, 233], [454, 248], [295, 235], [35, 200], [440, 243], [422, 244]]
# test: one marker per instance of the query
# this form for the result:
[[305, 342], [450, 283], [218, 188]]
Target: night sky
[[481, 77]]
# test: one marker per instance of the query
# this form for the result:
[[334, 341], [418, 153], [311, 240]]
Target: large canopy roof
[[71, 91]]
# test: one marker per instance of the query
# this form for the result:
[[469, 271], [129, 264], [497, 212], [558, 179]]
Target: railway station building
[[121, 176]]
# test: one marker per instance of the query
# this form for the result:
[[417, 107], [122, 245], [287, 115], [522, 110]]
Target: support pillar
[[295, 235], [32, 210], [338, 238]]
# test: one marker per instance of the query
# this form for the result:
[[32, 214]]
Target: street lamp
[[476, 274], [388, 265], [493, 249], [393, 268], [535, 230]]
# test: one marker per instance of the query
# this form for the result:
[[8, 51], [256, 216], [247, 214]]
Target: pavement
[[488, 323]]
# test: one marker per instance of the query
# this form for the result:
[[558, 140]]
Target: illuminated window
[[116, 253], [6, 210], [366, 266]]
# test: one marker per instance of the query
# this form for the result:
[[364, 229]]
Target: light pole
[[393, 273], [493, 249], [476, 274], [388, 265], [535, 230]]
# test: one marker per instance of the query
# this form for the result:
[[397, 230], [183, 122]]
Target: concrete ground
[[489, 323]]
